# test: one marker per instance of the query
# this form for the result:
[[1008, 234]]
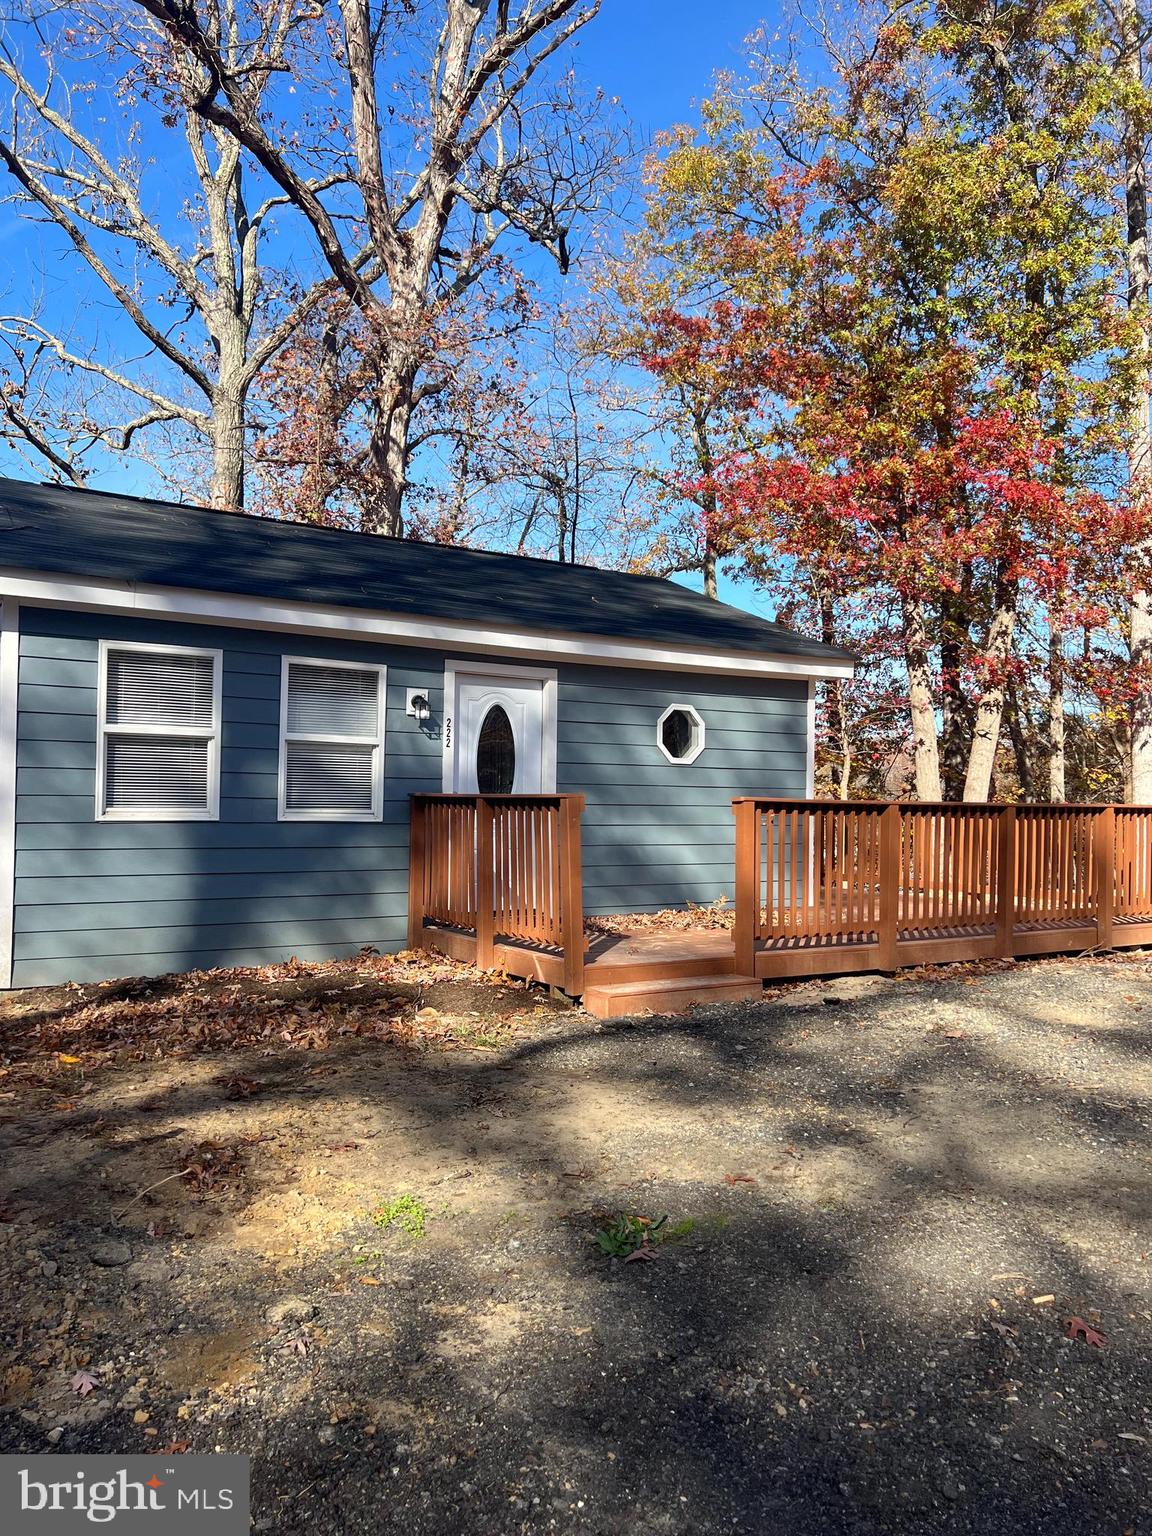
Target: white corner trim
[[456, 668], [210, 735], [697, 746], [377, 743], [810, 744], [155, 602], [9, 697]]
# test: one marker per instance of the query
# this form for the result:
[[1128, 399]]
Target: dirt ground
[[889, 1203]]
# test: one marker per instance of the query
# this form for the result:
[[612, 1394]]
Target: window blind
[[332, 701], [159, 688], [156, 771], [328, 778]]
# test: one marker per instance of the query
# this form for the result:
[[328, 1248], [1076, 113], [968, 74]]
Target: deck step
[[649, 972], [676, 995]]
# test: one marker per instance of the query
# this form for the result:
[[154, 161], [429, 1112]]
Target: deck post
[[890, 829], [485, 884], [747, 893], [1104, 840], [572, 894], [1005, 887], [417, 853]]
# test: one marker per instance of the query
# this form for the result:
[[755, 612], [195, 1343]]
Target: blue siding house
[[211, 724]]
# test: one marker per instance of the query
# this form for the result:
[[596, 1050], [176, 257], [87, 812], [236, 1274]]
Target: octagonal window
[[680, 734]]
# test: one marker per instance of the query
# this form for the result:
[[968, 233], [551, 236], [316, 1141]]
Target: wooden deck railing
[[823, 885], [498, 869]]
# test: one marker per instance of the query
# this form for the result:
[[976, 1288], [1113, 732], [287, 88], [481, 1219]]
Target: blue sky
[[659, 57]]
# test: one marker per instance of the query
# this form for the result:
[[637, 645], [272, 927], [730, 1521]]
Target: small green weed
[[408, 1212], [683, 1228], [492, 1035], [625, 1234]]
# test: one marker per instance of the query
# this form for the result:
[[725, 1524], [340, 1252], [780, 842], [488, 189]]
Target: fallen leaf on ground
[[1077, 1328], [739, 1178], [640, 1254], [239, 1087], [369, 1280], [1005, 1330], [83, 1383]]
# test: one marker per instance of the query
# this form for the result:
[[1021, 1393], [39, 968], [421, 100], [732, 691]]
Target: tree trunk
[[1139, 436], [837, 712], [925, 738], [990, 707], [1019, 740], [955, 715], [227, 486], [387, 467], [709, 567], [1056, 746], [702, 443]]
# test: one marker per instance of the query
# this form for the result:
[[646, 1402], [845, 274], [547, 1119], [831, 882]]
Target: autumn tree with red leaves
[[905, 289]]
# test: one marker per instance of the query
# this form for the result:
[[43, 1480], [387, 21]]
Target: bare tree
[[457, 145], [209, 313]]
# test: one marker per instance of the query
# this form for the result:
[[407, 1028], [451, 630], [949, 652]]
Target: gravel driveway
[[886, 1202]]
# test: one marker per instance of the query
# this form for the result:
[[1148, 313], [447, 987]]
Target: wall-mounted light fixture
[[418, 705]]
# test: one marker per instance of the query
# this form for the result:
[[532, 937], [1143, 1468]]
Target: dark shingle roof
[[57, 530]]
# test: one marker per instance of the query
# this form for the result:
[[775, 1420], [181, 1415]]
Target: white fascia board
[[155, 602]]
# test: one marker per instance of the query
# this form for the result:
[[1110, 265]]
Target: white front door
[[497, 744]]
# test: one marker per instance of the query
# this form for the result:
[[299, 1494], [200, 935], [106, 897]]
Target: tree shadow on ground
[[849, 1332]]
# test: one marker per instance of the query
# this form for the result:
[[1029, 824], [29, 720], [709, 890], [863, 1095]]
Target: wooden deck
[[820, 889], [644, 971]]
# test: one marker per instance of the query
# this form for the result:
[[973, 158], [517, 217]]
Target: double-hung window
[[159, 733], [331, 741]]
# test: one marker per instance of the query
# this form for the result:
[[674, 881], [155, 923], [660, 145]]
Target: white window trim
[[377, 812], [197, 733], [457, 668], [701, 732], [9, 704]]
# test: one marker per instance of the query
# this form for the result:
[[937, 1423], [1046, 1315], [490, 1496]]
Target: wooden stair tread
[[669, 995]]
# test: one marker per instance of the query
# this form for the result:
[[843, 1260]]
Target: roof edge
[[193, 605]]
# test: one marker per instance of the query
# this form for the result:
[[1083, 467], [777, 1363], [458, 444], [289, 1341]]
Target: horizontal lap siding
[[659, 834], [99, 899]]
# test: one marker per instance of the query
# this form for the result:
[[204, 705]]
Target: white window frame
[[377, 811], [211, 734], [701, 731]]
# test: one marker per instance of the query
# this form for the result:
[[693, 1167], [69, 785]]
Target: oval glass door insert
[[496, 754]]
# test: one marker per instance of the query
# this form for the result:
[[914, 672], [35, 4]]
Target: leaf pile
[[716, 915], [213, 1167], [56, 1044]]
